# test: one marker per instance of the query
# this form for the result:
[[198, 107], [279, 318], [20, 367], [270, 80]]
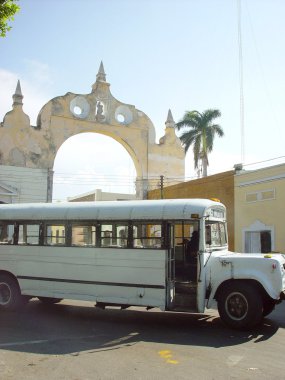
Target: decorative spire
[[18, 97], [101, 76], [170, 122]]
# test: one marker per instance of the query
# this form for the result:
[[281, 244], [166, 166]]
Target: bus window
[[147, 235], [114, 235], [55, 234], [6, 233], [29, 234], [183, 234], [83, 235], [184, 231], [122, 235], [223, 232]]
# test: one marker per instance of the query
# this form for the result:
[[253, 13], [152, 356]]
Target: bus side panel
[[110, 275]]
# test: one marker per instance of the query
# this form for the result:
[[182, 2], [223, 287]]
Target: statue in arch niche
[[100, 112]]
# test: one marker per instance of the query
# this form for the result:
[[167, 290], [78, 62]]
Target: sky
[[158, 55]]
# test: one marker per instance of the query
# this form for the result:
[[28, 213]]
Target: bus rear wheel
[[240, 305], [10, 295], [49, 300]]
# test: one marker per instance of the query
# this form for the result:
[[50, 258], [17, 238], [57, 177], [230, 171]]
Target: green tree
[[200, 133], [8, 8]]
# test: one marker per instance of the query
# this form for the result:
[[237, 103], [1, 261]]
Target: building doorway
[[258, 241]]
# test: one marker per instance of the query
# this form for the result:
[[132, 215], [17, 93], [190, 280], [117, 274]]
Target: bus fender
[[265, 287]]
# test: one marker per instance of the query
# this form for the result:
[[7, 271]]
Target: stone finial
[[169, 121], [18, 97], [101, 76]]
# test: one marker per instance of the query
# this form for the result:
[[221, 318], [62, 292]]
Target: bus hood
[[234, 255]]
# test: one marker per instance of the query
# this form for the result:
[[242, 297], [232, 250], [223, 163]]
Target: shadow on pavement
[[72, 329]]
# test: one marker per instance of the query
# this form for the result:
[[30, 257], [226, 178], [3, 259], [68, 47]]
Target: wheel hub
[[5, 294], [236, 306]]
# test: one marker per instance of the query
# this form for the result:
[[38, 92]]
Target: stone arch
[[119, 140], [100, 112], [129, 149]]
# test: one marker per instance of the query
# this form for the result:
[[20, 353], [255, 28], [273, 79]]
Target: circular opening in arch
[[90, 161], [77, 110], [121, 118]]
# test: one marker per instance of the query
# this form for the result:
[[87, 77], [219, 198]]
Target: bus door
[[183, 263]]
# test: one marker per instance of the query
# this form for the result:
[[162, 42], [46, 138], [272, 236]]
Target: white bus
[[170, 254]]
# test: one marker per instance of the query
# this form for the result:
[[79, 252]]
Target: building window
[[263, 195]]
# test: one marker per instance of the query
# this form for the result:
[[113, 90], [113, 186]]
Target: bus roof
[[165, 209]]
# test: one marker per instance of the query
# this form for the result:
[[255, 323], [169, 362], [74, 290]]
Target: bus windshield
[[216, 234]]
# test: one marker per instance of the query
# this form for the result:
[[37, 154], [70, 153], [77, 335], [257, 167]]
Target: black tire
[[10, 294], [240, 305], [49, 300], [268, 306]]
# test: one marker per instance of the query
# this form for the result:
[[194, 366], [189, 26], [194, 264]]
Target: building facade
[[259, 210], [255, 205], [99, 195], [23, 185]]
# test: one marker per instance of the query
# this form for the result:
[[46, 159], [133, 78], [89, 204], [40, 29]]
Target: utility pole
[[241, 81], [161, 186]]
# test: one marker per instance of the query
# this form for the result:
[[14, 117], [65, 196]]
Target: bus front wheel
[[10, 295], [240, 305]]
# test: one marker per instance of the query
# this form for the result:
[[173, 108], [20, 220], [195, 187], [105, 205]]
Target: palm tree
[[201, 133]]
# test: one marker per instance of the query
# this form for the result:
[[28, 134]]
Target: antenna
[[241, 81]]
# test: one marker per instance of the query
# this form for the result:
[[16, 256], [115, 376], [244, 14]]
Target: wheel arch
[[254, 283], [11, 275]]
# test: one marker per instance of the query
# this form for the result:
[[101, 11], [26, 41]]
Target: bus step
[[186, 287], [183, 301]]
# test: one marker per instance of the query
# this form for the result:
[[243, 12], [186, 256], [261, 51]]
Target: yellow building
[[259, 210], [255, 205]]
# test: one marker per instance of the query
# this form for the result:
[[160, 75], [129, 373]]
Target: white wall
[[29, 185]]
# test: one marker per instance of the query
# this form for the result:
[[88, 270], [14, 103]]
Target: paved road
[[76, 341]]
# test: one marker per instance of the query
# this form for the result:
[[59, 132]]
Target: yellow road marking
[[167, 355]]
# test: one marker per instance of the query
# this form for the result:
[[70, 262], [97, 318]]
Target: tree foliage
[[200, 133], [8, 8]]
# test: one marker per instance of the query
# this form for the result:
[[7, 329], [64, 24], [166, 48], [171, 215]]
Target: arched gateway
[[25, 146]]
